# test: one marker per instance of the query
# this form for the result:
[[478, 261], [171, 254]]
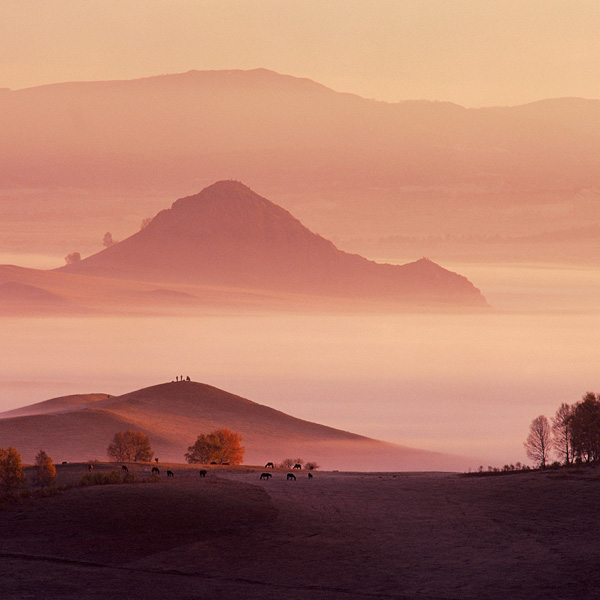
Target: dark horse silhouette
[[155, 470], [170, 474], [269, 465], [310, 476], [291, 476], [297, 466], [124, 468], [265, 476], [203, 472]]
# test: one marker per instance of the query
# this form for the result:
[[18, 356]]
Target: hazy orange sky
[[472, 52]]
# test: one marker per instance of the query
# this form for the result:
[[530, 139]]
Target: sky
[[500, 370], [471, 52]]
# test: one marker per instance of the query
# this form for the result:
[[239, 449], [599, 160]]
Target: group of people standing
[[180, 378]]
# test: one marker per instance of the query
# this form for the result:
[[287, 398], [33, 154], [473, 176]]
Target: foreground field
[[338, 535]]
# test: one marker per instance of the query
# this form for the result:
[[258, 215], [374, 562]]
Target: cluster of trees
[[221, 446], [130, 446], [573, 435], [12, 477]]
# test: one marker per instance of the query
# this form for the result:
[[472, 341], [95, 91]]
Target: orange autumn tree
[[221, 446], [12, 478]]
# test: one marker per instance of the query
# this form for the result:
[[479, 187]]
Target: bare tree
[[130, 446], [562, 426], [539, 441]]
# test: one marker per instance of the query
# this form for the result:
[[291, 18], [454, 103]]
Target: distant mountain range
[[197, 124], [79, 428], [365, 171], [227, 235]]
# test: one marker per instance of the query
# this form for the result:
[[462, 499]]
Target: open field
[[339, 535]]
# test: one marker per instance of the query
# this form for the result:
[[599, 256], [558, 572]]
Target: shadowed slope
[[227, 235], [174, 414]]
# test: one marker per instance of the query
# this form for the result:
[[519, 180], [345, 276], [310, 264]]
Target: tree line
[[573, 435], [222, 447]]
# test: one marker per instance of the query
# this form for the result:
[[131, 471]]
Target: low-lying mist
[[462, 383]]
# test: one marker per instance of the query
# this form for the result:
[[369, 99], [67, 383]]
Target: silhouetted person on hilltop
[[188, 378]]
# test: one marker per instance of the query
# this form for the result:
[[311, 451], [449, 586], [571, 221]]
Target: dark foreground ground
[[337, 536]]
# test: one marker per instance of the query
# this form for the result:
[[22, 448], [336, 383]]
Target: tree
[[539, 440], [130, 446], [145, 222], [562, 430], [221, 446], [107, 240], [585, 424], [73, 257], [288, 463], [45, 475], [312, 466], [11, 470]]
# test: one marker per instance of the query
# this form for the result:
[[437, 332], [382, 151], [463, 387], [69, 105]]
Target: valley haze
[[505, 196], [356, 233]]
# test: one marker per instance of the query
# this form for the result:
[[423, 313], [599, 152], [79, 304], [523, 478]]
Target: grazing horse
[[266, 476], [291, 476], [310, 475], [297, 466], [124, 468], [203, 472], [170, 474], [90, 467], [64, 462], [269, 465], [155, 470]]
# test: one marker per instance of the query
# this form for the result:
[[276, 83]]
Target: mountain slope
[[229, 236], [55, 405], [174, 414]]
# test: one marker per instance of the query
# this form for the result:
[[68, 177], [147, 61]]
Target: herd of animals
[[203, 472]]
